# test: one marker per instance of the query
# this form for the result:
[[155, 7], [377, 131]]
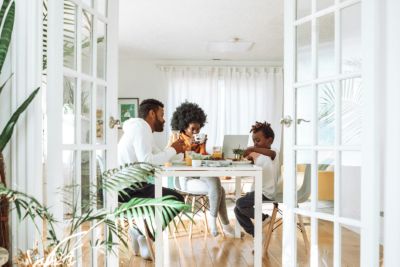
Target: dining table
[[235, 170]]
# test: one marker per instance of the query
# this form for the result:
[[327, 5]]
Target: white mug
[[199, 138]]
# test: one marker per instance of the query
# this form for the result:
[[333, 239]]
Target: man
[[137, 145]]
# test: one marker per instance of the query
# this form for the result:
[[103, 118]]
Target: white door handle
[[301, 120], [113, 122], [287, 121]]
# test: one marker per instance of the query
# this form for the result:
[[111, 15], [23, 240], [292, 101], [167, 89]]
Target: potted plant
[[138, 213], [238, 153]]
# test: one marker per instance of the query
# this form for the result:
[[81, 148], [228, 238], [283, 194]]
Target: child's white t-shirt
[[269, 173]]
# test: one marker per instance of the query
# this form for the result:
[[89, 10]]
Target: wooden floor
[[238, 252]]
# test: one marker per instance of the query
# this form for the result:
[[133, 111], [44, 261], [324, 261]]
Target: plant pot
[[237, 157]]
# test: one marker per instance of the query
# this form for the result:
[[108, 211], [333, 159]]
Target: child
[[262, 155]]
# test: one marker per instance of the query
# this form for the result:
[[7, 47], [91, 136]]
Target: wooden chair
[[199, 204], [303, 193]]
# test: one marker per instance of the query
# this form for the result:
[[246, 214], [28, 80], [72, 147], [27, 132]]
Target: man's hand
[[179, 146], [248, 151]]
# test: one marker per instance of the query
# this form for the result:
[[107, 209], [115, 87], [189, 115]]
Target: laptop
[[234, 141]]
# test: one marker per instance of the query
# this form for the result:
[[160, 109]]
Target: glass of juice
[[217, 152]]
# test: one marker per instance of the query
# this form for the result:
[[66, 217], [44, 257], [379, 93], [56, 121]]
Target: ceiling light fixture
[[233, 45]]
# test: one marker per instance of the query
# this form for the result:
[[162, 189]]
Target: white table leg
[[159, 237], [238, 191], [258, 220]]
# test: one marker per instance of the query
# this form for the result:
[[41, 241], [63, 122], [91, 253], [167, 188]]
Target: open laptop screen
[[234, 141]]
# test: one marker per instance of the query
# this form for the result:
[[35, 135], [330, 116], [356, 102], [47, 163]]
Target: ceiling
[[181, 29]]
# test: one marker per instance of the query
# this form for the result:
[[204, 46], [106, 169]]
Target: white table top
[[248, 167]]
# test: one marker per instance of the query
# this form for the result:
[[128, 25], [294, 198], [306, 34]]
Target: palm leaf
[[127, 176], [9, 128], [6, 30], [27, 206], [139, 209]]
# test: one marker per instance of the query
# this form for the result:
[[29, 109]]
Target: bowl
[[196, 162]]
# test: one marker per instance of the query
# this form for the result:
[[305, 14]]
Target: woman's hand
[[179, 146]]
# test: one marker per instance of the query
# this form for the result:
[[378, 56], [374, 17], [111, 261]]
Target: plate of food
[[217, 163], [178, 163], [242, 162]]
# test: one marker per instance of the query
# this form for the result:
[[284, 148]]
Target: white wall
[[143, 79]]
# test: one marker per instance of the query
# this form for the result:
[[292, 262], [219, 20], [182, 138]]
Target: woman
[[187, 121]]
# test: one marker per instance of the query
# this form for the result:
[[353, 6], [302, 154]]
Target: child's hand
[[253, 156], [248, 151]]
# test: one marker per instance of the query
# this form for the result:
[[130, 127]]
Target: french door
[[323, 109], [81, 97]]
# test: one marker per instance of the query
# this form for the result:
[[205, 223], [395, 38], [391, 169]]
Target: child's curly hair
[[264, 127]]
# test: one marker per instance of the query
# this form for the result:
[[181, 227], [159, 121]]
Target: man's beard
[[158, 125]]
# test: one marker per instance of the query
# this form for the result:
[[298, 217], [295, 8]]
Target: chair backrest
[[303, 193], [177, 184]]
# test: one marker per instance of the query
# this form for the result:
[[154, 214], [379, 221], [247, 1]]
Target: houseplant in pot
[[238, 153]]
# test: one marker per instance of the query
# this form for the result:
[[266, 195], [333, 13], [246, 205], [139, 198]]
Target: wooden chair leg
[[270, 228], [177, 219], [304, 233], [220, 227], [191, 222], [203, 203], [149, 241]]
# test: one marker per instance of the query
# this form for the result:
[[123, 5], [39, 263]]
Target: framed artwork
[[128, 108]]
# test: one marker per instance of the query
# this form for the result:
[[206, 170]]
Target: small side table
[[3, 256]]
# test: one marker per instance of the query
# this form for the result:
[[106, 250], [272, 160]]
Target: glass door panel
[[87, 42], [351, 39], [325, 243], [350, 185], [326, 173], [86, 112], [326, 114], [322, 4], [350, 245], [100, 115], [70, 17], [303, 52], [69, 110], [304, 116], [101, 41], [326, 45], [303, 8], [351, 111]]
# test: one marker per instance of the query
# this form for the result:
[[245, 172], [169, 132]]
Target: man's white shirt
[[137, 145]]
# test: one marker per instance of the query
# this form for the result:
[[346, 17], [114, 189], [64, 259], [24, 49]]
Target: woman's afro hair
[[187, 113]]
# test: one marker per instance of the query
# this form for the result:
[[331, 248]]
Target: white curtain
[[232, 97]]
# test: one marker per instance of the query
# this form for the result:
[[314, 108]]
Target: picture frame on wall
[[128, 108]]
